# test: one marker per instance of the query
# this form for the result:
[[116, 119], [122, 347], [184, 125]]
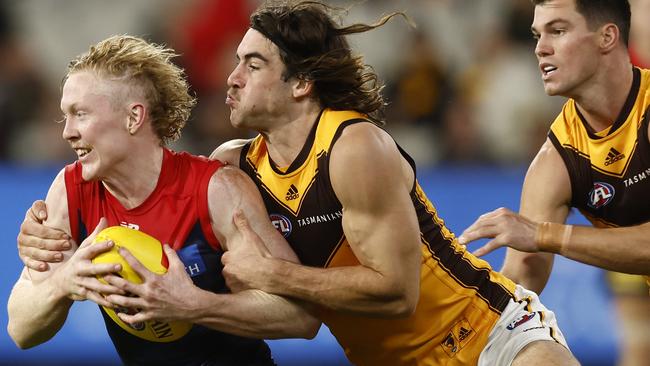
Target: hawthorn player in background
[[596, 159]]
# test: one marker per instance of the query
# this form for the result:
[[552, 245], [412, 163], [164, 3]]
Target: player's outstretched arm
[[545, 197], [40, 301], [537, 233], [622, 249]]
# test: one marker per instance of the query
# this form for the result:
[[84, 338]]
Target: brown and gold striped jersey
[[461, 297], [609, 170]]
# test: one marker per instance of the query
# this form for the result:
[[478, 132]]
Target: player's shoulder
[[230, 179], [59, 182], [364, 138], [548, 157], [548, 177], [229, 151]]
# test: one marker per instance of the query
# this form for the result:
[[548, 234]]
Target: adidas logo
[[613, 156], [292, 193], [463, 333]]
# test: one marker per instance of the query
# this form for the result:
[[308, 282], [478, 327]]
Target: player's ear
[[302, 86], [135, 118], [609, 37]]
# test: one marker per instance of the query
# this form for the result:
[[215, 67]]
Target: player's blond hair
[[146, 65]]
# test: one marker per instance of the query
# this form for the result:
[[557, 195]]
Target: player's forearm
[[254, 314], [356, 289], [625, 249], [36, 313]]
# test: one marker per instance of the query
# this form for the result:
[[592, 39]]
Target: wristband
[[553, 237]]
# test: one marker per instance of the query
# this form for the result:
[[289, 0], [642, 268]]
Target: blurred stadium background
[[465, 100]]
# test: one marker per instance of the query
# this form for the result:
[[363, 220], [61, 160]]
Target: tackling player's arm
[[250, 312], [40, 301], [373, 183], [38, 244]]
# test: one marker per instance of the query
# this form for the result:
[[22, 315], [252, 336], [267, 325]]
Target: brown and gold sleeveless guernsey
[[461, 297], [609, 170]]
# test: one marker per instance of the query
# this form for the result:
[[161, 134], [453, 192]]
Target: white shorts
[[523, 321]]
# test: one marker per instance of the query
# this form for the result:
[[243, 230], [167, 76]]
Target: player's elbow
[[404, 307], [402, 301], [310, 328], [24, 333], [20, 339]]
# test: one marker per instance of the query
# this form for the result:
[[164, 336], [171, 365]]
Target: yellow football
[[149, 251]]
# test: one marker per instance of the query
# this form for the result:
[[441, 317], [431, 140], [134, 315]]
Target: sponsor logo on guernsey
[[130, 225], [191, 258], [613, 156], [521, 320], [281, 223], [317, 219], [636, 178], [292, 193], [600, 195]]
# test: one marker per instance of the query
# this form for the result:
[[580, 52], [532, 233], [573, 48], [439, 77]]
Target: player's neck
[[134, 179], [602, 102], [286, 140]]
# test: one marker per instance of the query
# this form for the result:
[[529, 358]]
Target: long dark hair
[[313, 47]]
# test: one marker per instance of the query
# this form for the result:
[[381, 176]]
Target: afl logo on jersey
[[521, 320], [281, 223], [600, 195]]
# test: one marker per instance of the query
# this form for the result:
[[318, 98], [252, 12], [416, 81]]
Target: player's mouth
[[230, 100], [547, 70], [82, 152]]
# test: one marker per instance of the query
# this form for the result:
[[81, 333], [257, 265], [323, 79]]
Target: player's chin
[[551, 90], [88, 172], [235, 119]]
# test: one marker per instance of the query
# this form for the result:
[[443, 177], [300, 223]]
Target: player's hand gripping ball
[[149, 251]]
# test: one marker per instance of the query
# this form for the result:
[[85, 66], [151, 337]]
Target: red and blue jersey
[[175, 213]]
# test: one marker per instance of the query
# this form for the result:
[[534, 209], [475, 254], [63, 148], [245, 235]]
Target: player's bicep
[[231, 190], [546, 196], [58, 218], [546, 193], [379, 219]]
